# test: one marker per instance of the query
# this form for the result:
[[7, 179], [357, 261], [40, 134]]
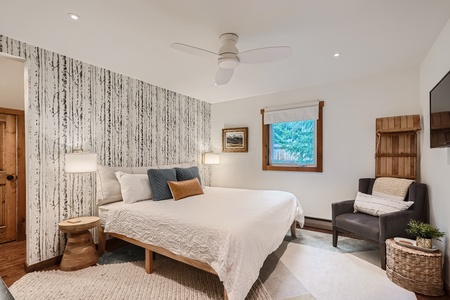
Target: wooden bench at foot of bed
[[149, 249]]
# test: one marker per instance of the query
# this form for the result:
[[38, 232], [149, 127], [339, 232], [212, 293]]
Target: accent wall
[[127, 122]]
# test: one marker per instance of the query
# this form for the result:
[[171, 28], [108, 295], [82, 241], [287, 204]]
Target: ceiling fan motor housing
[[228, 58]]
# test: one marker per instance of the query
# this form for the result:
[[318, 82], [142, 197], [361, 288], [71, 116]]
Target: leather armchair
[[386, 226]]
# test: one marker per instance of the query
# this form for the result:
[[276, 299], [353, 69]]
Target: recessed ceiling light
[[337, 54], [74, 16]]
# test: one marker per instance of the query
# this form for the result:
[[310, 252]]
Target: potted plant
[[424, 233]]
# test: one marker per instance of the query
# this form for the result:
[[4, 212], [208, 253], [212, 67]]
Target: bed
[[225, 231]]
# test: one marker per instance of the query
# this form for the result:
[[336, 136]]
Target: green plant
[[423, 230]]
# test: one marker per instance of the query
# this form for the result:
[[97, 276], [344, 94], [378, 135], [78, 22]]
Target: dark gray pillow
[[158, 182], [187, 174]]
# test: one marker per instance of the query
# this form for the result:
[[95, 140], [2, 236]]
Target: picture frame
[[235, 139]]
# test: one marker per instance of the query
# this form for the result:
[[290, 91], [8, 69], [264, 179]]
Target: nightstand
[[80, 251]]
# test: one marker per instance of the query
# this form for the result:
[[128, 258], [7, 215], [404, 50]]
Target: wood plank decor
[[440, 128], [396, 146]]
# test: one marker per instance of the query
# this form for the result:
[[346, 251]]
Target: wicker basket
[[415, 270]]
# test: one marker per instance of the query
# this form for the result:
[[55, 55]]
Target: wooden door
[[8, 169]]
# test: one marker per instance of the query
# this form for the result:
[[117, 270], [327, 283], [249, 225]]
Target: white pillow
[[376, 206], [387, 196], [108, 187], [134, 187]]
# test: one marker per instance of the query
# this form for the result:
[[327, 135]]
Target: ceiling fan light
[[228, 62]]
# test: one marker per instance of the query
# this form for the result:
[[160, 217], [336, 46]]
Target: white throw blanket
[[233, 230], [397, 187]]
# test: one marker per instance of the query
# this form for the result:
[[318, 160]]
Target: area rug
[[309, 267], [305, 268], [169, 280]]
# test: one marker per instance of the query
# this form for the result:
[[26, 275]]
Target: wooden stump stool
[[80, 251]]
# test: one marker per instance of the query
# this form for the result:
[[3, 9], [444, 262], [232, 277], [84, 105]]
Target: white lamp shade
[[211, 158], [80, 163]]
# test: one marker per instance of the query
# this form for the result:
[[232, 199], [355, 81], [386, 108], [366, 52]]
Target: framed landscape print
[[235, 139]]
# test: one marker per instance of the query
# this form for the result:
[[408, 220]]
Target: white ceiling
[[132, 37]]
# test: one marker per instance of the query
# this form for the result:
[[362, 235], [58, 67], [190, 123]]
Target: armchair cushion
[[360, 224], [376, 206]]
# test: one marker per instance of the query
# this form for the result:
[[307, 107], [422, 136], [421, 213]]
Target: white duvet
[[233, 230]]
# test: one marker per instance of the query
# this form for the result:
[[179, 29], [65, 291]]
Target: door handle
[[11, 177]]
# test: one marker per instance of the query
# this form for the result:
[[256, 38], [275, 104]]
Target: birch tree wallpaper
[[127, 122]]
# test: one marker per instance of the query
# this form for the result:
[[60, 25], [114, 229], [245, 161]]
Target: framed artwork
[[235, 139]]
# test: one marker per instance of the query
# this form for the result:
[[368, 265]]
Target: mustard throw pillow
[[186, 188]]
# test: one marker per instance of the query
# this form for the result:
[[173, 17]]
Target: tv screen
[[440, 113]]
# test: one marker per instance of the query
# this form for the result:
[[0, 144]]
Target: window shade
[[292, 113]]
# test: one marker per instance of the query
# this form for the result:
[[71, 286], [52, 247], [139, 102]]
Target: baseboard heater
[[318, 223]]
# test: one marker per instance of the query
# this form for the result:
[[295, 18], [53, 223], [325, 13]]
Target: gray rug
[[127, 253], [170, 280]]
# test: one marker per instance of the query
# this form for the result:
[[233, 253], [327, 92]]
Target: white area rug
[[127, 281], [310, 268], [307, 268]]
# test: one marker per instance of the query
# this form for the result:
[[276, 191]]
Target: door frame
[[21, 172]]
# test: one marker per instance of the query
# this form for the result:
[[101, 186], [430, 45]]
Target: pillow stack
[[145, 183], [388, 196], [164, 182]]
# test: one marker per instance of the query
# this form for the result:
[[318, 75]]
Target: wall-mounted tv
[[440, 113]]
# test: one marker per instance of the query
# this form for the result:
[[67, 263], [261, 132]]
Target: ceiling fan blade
[[194, 50], [263, 55], [223, 76]]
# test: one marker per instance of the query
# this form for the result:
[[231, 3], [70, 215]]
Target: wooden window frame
[[319, 149]]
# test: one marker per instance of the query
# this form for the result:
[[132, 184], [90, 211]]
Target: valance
[[292, 112]]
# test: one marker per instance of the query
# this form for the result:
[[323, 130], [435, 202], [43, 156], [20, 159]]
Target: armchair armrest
[[394, 224], [339, 208]]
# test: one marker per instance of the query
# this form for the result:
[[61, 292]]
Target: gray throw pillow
[[158, 182], [188, 173]]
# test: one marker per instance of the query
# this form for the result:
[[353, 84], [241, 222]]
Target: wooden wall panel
[[440, 128], [396, 146]]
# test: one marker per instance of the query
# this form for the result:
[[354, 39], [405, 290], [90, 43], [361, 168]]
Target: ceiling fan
[[228, 57]]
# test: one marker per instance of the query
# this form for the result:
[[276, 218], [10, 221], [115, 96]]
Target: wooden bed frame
[[149, 249]]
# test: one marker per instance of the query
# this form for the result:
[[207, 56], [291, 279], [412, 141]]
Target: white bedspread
[[233, 230]]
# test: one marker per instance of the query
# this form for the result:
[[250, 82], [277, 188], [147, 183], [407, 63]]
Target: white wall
[[435, 163], [12, 79], [351, 108]]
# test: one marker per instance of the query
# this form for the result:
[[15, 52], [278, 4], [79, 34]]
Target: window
[[292, 137]]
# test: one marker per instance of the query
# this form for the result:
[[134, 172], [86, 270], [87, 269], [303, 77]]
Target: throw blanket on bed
[[397, 187], [232, 230]]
